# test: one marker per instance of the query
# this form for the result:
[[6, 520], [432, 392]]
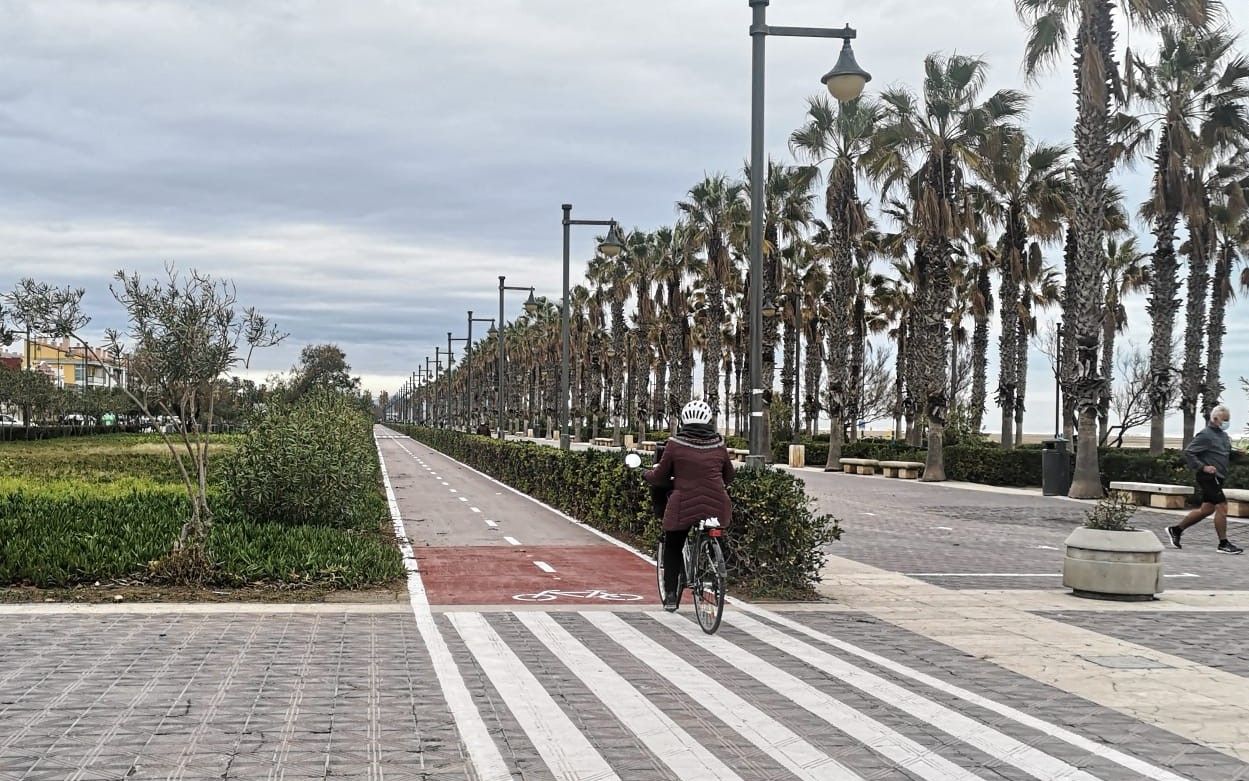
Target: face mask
[[1225, 424]]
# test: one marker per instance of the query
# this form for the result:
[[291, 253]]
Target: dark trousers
[[674, 560]]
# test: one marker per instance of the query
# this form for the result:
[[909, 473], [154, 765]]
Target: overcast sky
[[364, 171]]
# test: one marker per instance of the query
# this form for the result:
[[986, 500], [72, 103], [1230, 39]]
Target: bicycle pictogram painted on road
[[550, 595]]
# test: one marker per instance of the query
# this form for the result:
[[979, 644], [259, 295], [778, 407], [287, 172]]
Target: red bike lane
[[477, 542]]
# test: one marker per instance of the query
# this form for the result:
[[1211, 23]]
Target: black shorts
[[1211, 488]]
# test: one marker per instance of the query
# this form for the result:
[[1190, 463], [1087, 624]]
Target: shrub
[[1110, 514], [312, 462], [774, 547], [70, 535]]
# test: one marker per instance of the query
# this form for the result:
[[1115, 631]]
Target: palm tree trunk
[[980, 350], [858, 351], [617, 366], [1220, 288], [713, 351], [789, 378], [1109, 328], [1094, 61], [1194, 328], [840, 290], [932, 269], [1163, 304], [814, 370], [899, 372], [1022, 332], [1008, 342]]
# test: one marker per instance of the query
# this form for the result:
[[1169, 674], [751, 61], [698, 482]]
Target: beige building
[[68, 365]]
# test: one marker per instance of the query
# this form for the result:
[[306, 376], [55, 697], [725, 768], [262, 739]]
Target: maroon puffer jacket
[[700, 469]]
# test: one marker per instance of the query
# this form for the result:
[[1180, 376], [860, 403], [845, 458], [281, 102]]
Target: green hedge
[[774, 547]]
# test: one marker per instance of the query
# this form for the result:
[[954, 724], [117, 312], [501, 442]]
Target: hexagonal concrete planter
[[1123, 565]]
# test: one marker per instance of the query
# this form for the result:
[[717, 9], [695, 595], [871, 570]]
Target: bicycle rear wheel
[[709, 585], [659, 568]]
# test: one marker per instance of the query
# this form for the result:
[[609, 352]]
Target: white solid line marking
[[562, 746], [868, 731], [542, 565], [769, 735], [869, 513], [996, 744], [491, 523], [684, 754], [1046, 547], [482, 751], [944, 528], [512, 540], [474, 509], [1128, 761], [1010, 575]]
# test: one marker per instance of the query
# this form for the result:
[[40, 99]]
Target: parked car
[[9, 420]]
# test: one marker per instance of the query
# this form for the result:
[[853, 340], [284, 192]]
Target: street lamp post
[[531, 306], [1058, 382], [845, 81], [431, 379], [468, 361], [450, 359], [611, 247]]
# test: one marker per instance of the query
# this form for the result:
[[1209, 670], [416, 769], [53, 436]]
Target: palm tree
[[1097, 80], [1127, 272], [713, 210], [1195, 93], [1025, 191], [945, 133], [839, 137], [643, 267]]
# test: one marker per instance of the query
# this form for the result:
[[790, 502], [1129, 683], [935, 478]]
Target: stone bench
[[861, 466], [1161, 495], [738, 453], [602, 441], [648, 445], [907, 470]]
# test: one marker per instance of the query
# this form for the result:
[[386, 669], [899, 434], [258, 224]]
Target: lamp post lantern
[[611, 247], [845, 82]]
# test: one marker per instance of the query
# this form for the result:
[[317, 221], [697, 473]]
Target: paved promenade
[[938, 654]]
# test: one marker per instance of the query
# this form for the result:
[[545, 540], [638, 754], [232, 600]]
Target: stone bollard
[[628, 441], [798, 455]]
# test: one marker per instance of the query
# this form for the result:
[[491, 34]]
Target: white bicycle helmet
[[696, 412]]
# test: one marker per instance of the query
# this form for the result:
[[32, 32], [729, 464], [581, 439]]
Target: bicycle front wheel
[[709, 586], [659, 568]]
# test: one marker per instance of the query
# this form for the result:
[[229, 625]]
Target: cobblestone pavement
[[1216, 640], [573, 695], [966, 538]]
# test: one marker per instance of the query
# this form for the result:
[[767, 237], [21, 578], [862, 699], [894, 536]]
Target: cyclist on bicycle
[[697, 463]]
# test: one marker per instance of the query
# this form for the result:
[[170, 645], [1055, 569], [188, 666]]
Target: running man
[[1208, 454]]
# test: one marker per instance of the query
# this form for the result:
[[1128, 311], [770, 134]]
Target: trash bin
[[1055, 467]]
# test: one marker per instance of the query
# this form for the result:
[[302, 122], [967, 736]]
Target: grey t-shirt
[[1211, 447]]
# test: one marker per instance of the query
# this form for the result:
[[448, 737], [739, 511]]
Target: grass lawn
[[77, 511]]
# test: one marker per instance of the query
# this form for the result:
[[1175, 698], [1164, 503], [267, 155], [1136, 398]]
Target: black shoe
[[1174, 533], [1227, 546], [670, 603]]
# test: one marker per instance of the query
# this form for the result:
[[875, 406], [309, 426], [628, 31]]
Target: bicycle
[[704, 573]]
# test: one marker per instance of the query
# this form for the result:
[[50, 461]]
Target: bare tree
[[1130, 400], [878, 390], [184, 333]]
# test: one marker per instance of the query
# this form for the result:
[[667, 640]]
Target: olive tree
[[185, 332]]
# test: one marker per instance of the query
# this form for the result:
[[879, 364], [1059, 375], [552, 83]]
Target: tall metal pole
[[450, 359], [468, 368], [1058, 381], [758, 37], [797, 356], [565, 399], [499, 332]]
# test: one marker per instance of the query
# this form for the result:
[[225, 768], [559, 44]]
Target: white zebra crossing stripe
[[782, 744], [1142, 767], [675, 747], [996, 744], [906, 753], [480, 747], [564, 748]]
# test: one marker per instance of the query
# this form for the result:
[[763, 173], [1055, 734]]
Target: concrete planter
[[1123, 565], [797, 455]]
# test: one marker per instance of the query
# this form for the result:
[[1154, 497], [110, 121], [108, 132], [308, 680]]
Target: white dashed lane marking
[[512, 540], [542, 565], [491, 523]]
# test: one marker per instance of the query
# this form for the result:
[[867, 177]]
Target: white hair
[[1224, 411]]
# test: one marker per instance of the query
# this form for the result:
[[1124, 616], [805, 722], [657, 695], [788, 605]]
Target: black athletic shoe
[[670, 603], [1227, 546], [1174, 533]]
